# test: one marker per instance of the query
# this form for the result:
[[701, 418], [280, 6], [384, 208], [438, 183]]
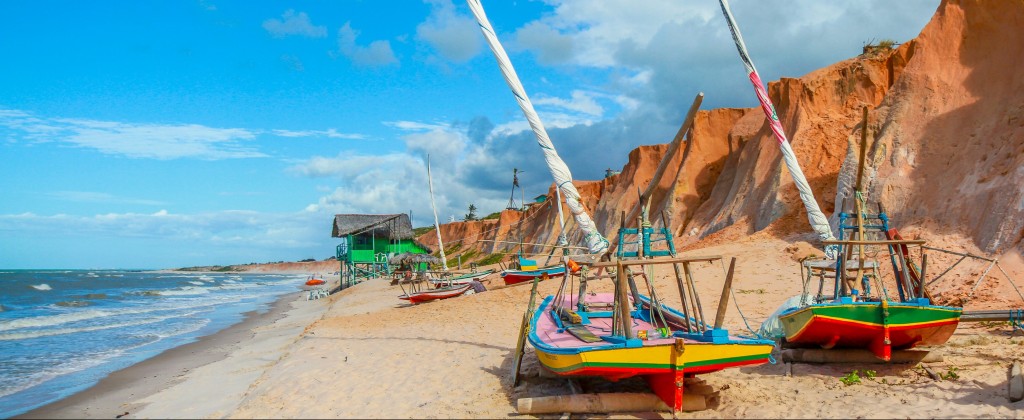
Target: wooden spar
[[532, 244], [698, 311], [524, 328], [709, 258], [880, 242], [624, 307], [682, 298], [642, 202], [924, 268], [437, 226], [863, 149], [723, 303], [857, 193]]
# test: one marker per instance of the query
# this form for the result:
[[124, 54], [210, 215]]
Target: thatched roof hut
[[390, 226]]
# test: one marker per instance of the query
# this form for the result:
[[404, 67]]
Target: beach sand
[[363, 353]]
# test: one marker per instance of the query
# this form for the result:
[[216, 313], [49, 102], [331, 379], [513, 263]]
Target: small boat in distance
[[528, 271], [443, 293], [313, 281], [459, 279]]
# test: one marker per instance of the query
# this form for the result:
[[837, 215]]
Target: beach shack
[[369, 240]]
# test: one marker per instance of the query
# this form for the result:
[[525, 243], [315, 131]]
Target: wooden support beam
[[653, 261], [879, 242], [723, 303]]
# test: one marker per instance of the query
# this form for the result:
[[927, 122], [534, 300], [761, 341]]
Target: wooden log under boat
[[609, 403]]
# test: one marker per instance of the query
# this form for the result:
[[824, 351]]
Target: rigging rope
[[559, 171]]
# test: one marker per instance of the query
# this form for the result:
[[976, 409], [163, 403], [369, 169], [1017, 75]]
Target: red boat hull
[[515, 276], [436, 294]]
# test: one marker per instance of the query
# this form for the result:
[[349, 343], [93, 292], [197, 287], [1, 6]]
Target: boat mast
[[814, 215], [437, 226], [596, 243]]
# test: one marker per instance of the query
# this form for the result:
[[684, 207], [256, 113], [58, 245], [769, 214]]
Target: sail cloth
[[596, 243], [814, 215]]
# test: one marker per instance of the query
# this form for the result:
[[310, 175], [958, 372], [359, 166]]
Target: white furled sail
[[437, 226], [814, 215], [596, 243]]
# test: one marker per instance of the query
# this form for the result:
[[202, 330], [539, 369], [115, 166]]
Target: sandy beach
[[363, 353]]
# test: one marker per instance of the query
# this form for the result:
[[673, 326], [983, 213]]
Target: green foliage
[[951, 373], [225, 268], [850, 379], [492, 259], [870, 374], [472, 213], [885, 45], [492, 216], [421, 230], [452, 249]]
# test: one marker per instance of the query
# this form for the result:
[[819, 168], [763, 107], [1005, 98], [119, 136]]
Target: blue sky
[[174, 133]]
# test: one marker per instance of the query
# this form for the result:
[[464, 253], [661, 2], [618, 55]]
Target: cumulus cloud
[[292, 23], [455, 36], [376, 53]]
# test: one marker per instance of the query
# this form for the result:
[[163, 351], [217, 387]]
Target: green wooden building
[[369, 240]]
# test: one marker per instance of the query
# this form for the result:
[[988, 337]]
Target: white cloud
[[456, 37], [292, 23], [329, 133], [415, 125], [146, 140], [135, 140], [231, 227], [377, 53], [581, 102]]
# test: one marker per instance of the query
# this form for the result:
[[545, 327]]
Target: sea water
[[62, 331]]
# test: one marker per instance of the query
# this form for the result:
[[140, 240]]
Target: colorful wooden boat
[[851, 316], [438, 294], [459, 280], [511, 277], [660, 344], [877, 326]]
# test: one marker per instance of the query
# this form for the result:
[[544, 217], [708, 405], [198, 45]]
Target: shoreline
[[119, 393]]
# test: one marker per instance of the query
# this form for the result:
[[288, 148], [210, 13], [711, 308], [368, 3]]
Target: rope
[[736, 303]]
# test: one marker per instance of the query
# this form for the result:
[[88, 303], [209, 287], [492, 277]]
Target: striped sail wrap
[[814, 215], [596, 243]]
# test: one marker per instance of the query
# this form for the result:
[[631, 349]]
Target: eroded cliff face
[[946, 148]]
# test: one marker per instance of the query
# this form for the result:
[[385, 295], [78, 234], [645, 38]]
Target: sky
[[163, 134]]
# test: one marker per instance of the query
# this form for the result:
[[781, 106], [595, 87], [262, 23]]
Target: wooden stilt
[[723, 303]]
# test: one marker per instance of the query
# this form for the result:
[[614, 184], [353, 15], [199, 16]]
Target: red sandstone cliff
[[946, 148]]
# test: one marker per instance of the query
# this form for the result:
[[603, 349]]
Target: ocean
[[61, 331]]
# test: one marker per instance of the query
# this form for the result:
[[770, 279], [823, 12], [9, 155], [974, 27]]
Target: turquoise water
[[61, 331]]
